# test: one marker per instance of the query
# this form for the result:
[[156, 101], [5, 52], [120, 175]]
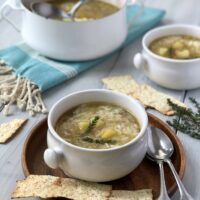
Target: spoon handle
[[163, 191], [184, 195], [72, 12]]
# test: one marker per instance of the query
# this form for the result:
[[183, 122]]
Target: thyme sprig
[[186, 120], [91, 125], [98, 141]]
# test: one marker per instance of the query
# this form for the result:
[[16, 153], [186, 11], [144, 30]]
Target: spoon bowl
[[48, 10], [159, 145]]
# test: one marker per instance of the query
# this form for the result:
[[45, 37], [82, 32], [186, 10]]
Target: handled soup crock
[[97, 165], [71, 41], [167, 72]]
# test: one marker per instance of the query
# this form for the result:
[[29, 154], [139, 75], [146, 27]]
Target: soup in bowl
[[96, 135], [97, 125], [176, 47], [91, 10]]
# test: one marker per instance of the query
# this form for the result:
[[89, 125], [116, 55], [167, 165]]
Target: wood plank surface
[[118, 64]]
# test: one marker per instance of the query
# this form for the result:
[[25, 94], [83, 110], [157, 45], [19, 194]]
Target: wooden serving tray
[[145, 176]]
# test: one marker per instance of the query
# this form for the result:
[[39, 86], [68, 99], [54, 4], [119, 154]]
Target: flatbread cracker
[[45, 186], [124, 84], [147, 95], [7, 130], [131, 195], [154, 99]]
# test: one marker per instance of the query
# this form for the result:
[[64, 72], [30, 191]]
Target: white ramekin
[[167, 72], [96, 165]]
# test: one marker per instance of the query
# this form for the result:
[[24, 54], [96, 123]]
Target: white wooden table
[[121, 63]]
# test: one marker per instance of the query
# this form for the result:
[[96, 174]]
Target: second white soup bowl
[[167, 72], [96, 165]]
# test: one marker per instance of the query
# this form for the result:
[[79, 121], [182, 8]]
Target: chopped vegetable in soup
[[92, 9], [177, 47], [97, 126]]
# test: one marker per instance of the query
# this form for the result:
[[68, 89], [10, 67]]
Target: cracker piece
[[7, 130], [153, 99], [147, 95], [131, 195], [125, 84], [45, 186]]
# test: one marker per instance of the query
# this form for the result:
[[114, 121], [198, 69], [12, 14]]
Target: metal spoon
[[160, 149], [163, 190], [50, 11], [151, 155]]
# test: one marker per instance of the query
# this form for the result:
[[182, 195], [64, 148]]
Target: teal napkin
[[47, 73]]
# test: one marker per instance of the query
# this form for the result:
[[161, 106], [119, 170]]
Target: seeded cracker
[[124, 84], [147, 95], [45, 186], [154, 99], [131, 195], [7, 130]]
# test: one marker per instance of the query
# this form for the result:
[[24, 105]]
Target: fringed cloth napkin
[[24, 74]]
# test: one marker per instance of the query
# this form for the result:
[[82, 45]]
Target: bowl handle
[[14, 5], [52, 157], [140, 62]]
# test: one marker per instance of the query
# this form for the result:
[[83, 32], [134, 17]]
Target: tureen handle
[[10, 4], [139, 11], [52, 157]]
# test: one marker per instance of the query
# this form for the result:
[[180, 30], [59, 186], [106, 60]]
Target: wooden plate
[[146, 175]]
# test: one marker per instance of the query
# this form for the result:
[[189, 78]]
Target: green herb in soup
[[97, 126], [92, 9], [177, 47]]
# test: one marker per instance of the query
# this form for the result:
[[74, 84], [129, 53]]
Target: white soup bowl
[[167, 72], [96, 165]]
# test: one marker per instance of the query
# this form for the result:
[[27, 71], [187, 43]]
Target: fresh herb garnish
[[98, 141], [186, 120], [104, 141], [91, 125]]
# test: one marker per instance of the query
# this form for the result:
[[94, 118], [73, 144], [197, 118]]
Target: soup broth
[[97, 126], [91, 10], [177, 47]]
